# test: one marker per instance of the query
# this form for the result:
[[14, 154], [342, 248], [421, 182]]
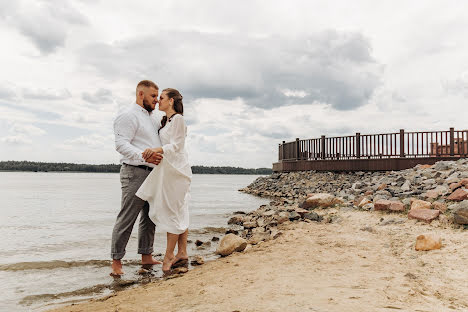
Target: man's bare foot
[[116, 268], [149, 260]]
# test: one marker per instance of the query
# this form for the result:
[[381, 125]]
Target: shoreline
[[323, 252], [359, 263]]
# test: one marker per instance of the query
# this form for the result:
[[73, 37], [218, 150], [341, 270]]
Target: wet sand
[[365, 261]]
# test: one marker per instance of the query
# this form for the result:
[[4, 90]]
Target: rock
[[439, 206], [294, 216], [269, 213], [368, 229], [396, 206], [239, 212], [364, 201], [426, 215], [275, 234], [215, 239], [382, 186], [250, 225], [432, 194], [428, 242], [237, 219], [198, 242], [229, 244], [368, 206], [460, 216], [454, 186], [406, 186], [441, 166], [382, 204], [459, 195], [179, 270], [259, 237], [464, 182], [320, 200], [452, 180], [313, 216], [301, 211], [197, 260], [420, 204]]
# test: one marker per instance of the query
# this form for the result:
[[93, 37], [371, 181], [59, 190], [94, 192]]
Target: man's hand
[[155, 158], [153, 155]]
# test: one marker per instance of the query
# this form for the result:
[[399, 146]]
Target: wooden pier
[[372, 152]]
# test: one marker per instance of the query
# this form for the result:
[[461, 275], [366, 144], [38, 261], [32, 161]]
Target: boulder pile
[[423, 192]]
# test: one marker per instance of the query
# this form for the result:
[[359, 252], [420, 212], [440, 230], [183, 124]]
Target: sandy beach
[[365, 261]]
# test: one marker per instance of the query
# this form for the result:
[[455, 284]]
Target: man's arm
[[125, 127]]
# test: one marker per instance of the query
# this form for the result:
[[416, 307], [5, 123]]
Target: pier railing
[[429, 145]]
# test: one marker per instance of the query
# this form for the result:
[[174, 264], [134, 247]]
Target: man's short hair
[[148, 84]]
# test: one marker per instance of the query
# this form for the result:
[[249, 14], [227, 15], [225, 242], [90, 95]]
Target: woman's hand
[[151, 151]]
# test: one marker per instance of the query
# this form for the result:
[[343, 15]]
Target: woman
[[167, 187]]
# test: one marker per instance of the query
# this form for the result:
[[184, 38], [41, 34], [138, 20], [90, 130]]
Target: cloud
[[7, 93], [101, 96], [457, 86], [45, 22], [29, 130], [20, 134], [92, 141], [16, 140], [331, 67], [46, 94]]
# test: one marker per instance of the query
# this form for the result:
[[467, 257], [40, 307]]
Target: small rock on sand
[[428, 242], [197, 260], [231, 243]]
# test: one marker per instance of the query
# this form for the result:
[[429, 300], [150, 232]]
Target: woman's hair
[[178, 104]]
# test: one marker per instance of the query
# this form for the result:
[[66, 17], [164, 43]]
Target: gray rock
[[406, 186], [294, 216], [313, 216], [460, 216]]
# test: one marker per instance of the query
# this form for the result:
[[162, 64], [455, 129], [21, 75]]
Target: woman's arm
[[177, 136]]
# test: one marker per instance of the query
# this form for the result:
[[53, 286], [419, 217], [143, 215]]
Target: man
[[135, 130]]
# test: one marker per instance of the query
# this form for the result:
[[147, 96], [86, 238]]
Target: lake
[[56, 230]]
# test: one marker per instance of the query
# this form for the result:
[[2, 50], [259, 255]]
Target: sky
[[252, 73]]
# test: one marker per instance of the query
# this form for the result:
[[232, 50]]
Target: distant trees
[[69, 167]]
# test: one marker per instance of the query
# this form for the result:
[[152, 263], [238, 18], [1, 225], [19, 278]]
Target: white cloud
[[25, 129], [93, 142], [16, 140], [46, 94], [252, 73], [45, 22]]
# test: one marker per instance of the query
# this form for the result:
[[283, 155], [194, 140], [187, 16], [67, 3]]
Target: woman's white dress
[[167, 187]]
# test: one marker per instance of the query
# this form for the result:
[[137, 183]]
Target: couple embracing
[[155, 177]]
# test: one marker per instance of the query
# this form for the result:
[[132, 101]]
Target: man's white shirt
[[135, 130]]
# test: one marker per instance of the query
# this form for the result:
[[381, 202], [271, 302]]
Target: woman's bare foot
[[149, 260], [180, 259], [167, 263], [116, 268]]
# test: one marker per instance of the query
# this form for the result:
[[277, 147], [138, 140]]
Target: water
[[55, 231]]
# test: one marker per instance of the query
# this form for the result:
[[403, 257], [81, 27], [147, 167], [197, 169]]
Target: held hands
[[153, 155]]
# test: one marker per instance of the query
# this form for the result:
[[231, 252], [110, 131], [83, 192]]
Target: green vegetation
[[68, 167]]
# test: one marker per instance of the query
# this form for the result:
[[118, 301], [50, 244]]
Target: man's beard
[[147, 105]]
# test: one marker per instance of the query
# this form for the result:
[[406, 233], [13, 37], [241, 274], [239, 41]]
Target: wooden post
[[297, 149], [358, 145], [402, 143], [452, 141], [282, 150], [323, 147]]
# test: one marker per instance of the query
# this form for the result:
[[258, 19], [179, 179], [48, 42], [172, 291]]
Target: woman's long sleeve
[[177, 137]]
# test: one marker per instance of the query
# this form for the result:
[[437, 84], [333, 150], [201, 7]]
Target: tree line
[[70, 167]]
